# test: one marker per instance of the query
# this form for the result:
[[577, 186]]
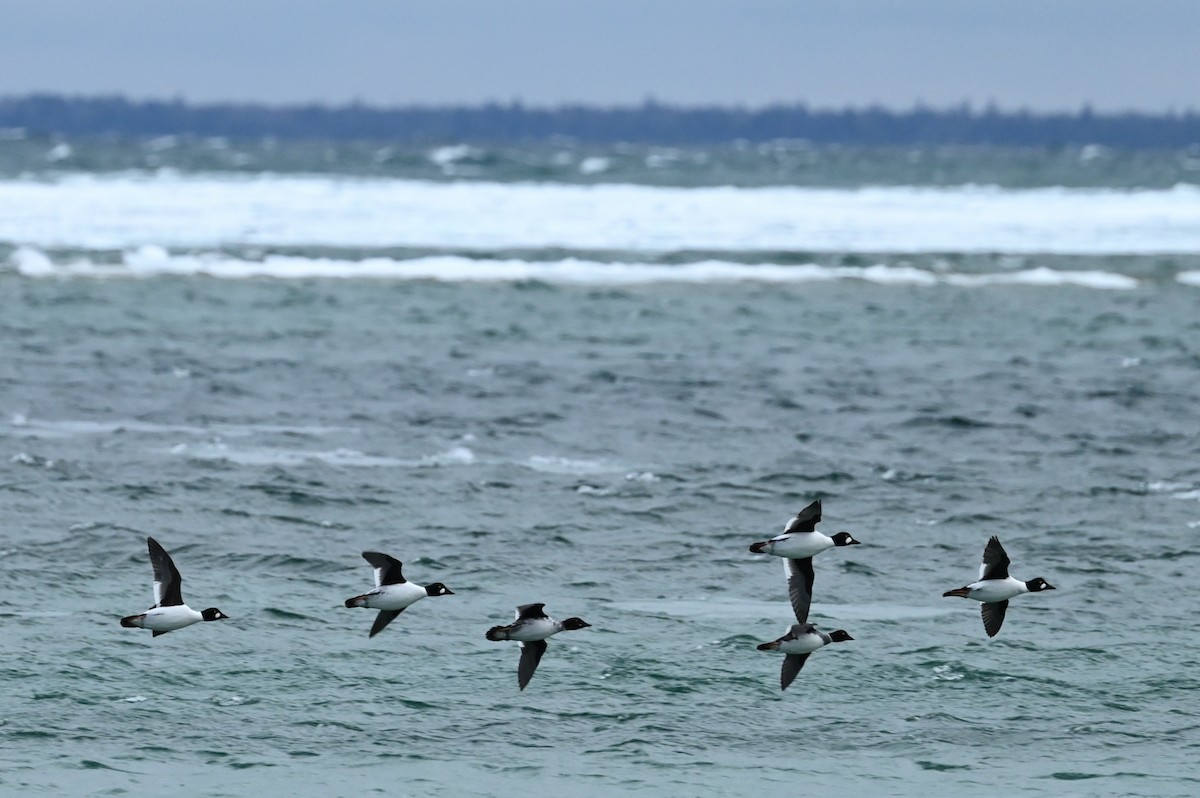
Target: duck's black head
[[575, 623], [839, 636], [438, 589], [213, 614], [1039, 584], [844, 539]]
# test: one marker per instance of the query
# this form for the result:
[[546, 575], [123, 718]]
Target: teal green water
[[611, 453], [610, 449], [778, 163]]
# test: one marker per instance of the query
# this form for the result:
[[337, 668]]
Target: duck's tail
[[357, 601], [497, 633], [133, 621], [961, 592]]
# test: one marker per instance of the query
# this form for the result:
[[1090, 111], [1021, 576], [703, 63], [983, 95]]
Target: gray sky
[[1040, 54]]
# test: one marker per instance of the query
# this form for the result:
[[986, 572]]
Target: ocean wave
[[21, 425], [265, 456], [150, 261], [124, 211]]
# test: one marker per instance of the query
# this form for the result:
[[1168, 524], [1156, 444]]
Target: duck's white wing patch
[[995, 561], [531, 611], [806, 520], [388, 570]]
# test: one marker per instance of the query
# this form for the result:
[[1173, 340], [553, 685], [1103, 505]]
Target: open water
[[596, 392]]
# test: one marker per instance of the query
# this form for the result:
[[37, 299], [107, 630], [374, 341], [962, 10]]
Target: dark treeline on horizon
[[649, 123]]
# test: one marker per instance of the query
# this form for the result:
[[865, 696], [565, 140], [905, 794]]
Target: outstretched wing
[[531, 655], [805, 520], [800, 584], [383, 619], [993, 616], [387, 569], [995, 561], [792, 664], [167, 582], [531, 611]]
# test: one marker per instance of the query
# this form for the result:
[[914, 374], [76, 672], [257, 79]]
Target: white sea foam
[[444, 156], [350, 458], [27, 459], [1166, 486], [24, 426], [1188, 278], [593, 165], [566, 465], [457, 455], [199, 211], [149, 261], [1044, 276], [263, 456]]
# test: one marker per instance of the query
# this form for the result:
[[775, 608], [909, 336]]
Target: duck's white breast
[[395, 597], [166, 619]]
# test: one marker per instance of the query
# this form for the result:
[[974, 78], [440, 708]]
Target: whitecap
[[458, 455], [1043, 276], [593, 165], [219, 450], [32, 262], [1165, 486], [63, 428], [59, 152], [150, 261], [124, 211], [451, 154], [565, 465], [946, 673], [27, 459]]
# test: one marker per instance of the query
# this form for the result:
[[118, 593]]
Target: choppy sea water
[[596, 397]]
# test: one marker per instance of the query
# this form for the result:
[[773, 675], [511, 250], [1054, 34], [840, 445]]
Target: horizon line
[[967, 107]]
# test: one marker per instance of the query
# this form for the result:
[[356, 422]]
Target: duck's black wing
[[993, 616], [531, 611], [800, 585], [167, 581], [995, 561], [383, 619], [531, 655], [792, 664], [388, 570], [805, 520]]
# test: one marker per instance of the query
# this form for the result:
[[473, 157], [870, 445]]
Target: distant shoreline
[[648, 123]]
